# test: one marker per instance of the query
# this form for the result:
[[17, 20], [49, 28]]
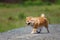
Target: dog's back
[[43, 20]]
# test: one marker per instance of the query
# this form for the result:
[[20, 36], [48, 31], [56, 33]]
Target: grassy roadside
[[14, 17]]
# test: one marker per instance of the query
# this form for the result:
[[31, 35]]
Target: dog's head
[[29, 21]]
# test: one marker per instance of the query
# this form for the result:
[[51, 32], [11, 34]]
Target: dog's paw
[[33, 32], [38, 31]]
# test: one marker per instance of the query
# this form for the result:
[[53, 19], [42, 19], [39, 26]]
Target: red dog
[[37, 22]]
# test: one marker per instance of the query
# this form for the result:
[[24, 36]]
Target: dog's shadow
[[43, 33]]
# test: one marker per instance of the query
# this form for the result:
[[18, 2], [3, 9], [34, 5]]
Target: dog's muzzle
[[28, 23]]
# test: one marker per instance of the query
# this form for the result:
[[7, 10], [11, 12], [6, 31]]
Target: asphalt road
[[25, 34]]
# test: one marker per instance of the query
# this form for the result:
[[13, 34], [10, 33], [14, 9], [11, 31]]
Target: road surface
[[25, 34]]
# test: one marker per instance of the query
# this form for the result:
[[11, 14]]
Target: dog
[[37, 22]]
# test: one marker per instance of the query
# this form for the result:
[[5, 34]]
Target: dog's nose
[[28, 23]]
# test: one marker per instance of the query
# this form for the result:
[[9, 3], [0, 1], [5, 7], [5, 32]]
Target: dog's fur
[[37, 22]]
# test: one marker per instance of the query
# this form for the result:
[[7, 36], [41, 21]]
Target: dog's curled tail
[[42, 15]]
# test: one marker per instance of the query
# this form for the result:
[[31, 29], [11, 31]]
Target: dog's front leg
[[39, 29], [34, 30]]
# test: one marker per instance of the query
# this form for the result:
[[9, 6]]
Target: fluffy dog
[[37, 22]]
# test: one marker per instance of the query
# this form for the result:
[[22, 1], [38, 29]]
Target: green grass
[[19, 13]]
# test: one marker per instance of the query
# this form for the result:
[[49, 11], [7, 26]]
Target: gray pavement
[[25, 34]]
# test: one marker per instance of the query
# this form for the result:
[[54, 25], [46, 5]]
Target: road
[[24, 33]]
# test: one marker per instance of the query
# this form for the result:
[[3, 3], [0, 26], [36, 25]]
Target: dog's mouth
[[28, 24]]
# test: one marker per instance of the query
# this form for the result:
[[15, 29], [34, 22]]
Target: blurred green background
[[13, 12]]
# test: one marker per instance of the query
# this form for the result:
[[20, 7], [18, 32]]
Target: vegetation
[[11, 18], [13, 15]]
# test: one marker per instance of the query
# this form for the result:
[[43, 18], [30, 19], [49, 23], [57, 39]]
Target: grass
[[19, 13]]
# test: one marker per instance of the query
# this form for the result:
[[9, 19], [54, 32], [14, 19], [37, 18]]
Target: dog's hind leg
[[46, 26]]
